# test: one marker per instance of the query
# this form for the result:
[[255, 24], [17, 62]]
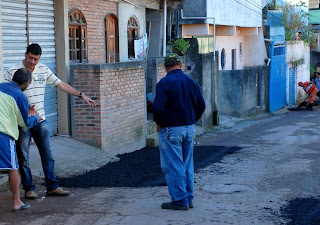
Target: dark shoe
[[190, 205], [58, 192], [309, 106], [170, 205], [31, 195], [25, 206]]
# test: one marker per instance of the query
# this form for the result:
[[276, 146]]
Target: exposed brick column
[[118, 124], [87, 120]]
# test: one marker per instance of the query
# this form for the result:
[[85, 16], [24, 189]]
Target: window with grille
[[77, 37], [133, 34]]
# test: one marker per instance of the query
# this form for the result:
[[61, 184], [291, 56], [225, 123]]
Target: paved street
[[263, 183]]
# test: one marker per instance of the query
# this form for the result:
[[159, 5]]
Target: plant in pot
[[180, 46]]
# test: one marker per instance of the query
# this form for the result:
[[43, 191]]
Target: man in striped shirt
[[41, 76], [14, 111]]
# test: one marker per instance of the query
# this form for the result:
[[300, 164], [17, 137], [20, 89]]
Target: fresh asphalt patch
[[299, 109], [142, 168], [302, 211]]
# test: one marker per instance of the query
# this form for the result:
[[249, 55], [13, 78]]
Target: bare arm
[[72, 91]]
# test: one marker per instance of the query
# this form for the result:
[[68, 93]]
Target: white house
[[237, 30]]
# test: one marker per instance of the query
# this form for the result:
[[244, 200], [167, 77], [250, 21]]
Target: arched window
[[133, 34], [112, 39], [77, 37]]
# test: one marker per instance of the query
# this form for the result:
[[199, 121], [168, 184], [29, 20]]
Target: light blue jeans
[[41, 137], [176, 155]]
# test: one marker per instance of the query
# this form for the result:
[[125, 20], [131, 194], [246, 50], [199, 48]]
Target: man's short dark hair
[[171, 60], [22, 76], [171, 64], [34, 49]]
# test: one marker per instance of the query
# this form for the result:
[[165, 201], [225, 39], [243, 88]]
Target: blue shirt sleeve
[[201, 106], [158, 107], [24, 107]]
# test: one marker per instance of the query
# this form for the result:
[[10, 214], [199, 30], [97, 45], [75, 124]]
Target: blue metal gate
[[292, 81], [277, 84]]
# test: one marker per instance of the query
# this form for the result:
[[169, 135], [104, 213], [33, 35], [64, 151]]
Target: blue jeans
[[41, 137], [176, 155]]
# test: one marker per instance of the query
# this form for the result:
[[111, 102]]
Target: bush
[[180, 46]]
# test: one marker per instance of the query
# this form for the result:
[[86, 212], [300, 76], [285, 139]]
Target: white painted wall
[[239, 13], [229, 43], [236, 22], [297, 50], [150, 4], [254, 49], [125, 11]]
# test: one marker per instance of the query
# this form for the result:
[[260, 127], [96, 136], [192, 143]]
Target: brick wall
[[118, 124], [156, 71], [87, 120], [161, 71], [95, 12]]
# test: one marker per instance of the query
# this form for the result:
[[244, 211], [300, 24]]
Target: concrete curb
[[3, 181]]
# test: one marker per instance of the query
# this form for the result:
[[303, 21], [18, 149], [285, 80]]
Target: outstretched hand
[[88, 100]]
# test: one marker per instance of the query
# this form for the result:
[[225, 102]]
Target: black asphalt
[[142, 168], [302, 211]]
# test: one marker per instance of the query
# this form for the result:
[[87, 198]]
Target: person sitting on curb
[[14, 111], [311, 91]]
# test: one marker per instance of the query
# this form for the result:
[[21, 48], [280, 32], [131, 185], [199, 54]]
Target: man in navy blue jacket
[[177, 106]]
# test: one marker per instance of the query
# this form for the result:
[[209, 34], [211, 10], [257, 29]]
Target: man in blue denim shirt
[[177, 106]]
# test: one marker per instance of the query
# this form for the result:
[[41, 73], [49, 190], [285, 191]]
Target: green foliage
[[273, 5], [180, 46], [295, 21], [312, 70], [298, 62]]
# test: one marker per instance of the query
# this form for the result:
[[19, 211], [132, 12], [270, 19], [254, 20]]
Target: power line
[[242, 8]]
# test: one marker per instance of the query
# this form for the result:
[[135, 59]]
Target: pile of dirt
[[142, 168]]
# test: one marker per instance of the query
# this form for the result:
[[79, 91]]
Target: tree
[[295, 21]]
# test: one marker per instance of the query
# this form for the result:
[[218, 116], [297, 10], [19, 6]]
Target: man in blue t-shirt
[[14, 112], [177, 106]]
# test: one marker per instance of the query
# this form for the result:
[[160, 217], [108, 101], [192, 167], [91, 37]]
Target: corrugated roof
[[314, 16]]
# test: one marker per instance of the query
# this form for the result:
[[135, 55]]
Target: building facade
[[84, 35], [234, 31]]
